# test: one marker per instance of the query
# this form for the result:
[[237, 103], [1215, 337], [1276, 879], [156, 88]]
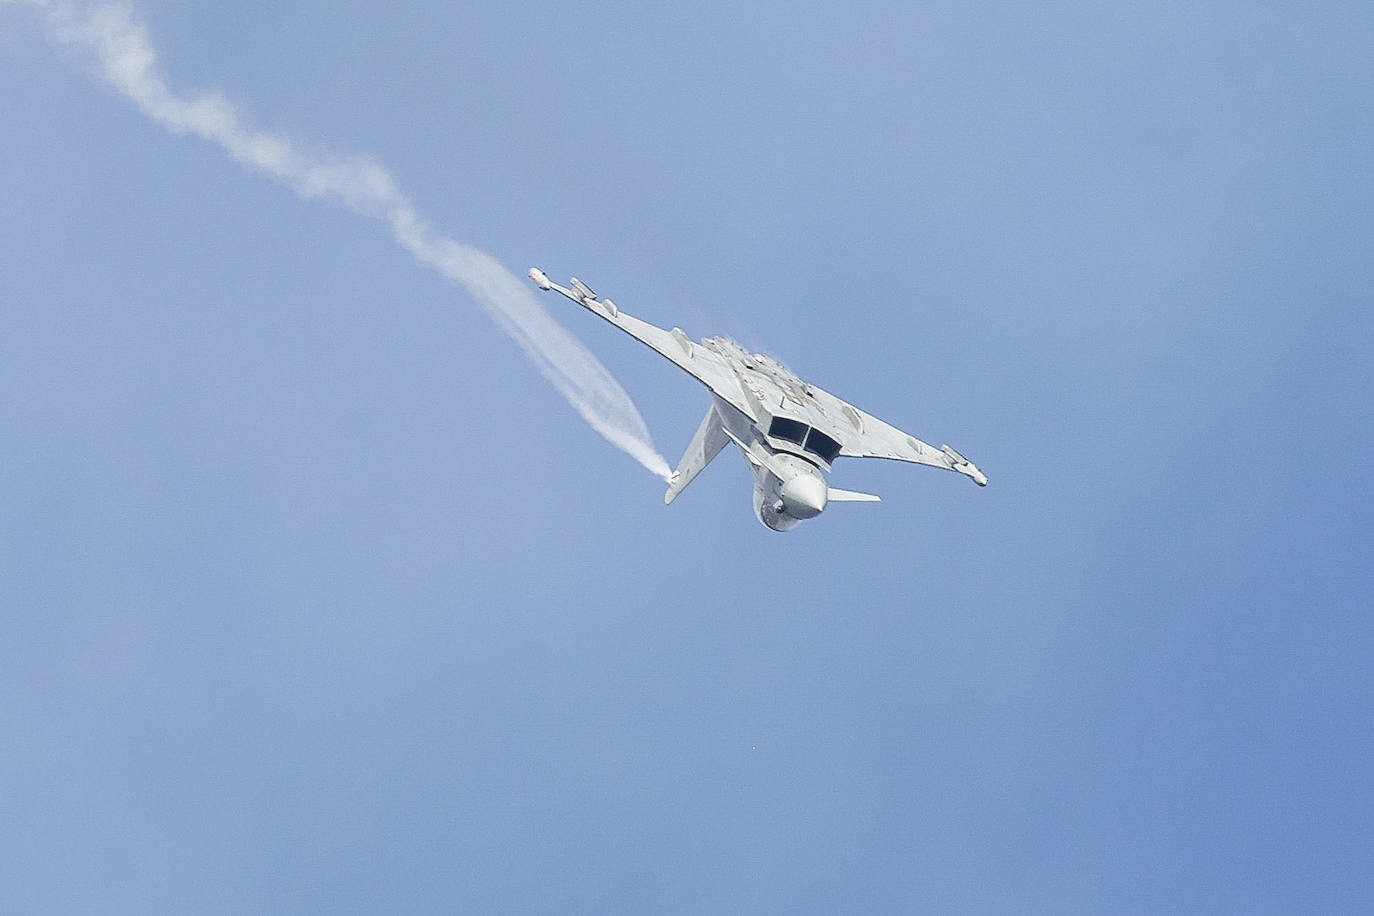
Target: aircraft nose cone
[[804, 496]]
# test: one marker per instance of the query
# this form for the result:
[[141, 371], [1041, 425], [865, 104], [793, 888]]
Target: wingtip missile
[[961, 464]]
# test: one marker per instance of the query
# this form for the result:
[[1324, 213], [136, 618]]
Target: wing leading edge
[[866, 436], [689, 356]]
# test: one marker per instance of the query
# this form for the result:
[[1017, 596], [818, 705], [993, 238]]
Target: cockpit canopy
[[808, 438]]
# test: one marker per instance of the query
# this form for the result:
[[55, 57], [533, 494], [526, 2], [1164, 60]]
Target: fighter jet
[[789, 431]]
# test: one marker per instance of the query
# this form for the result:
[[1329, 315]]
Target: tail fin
[[710, 438]]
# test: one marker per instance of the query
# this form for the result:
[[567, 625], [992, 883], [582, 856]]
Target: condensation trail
[[112, 39]]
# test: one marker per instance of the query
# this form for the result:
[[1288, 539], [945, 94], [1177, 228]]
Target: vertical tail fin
[[710, 438]]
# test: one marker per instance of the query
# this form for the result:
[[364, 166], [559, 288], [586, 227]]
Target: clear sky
[[316, 597]]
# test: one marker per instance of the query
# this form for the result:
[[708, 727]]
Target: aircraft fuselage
[[788, 489]]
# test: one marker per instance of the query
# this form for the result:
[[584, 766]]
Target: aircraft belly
[[739, 424]]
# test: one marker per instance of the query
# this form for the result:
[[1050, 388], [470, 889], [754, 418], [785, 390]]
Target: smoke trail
[[110, 37]]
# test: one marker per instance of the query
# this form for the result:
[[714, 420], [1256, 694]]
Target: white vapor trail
[[111, 38]]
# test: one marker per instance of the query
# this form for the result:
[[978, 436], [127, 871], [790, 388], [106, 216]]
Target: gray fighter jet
[[788, 430]]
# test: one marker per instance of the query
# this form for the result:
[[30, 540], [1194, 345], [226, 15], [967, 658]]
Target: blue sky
[[317, 597]]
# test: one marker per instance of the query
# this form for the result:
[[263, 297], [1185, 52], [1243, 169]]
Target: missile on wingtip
[[539, 278], [964, 466]]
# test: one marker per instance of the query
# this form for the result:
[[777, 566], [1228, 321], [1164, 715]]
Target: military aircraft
[[789, 431]]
